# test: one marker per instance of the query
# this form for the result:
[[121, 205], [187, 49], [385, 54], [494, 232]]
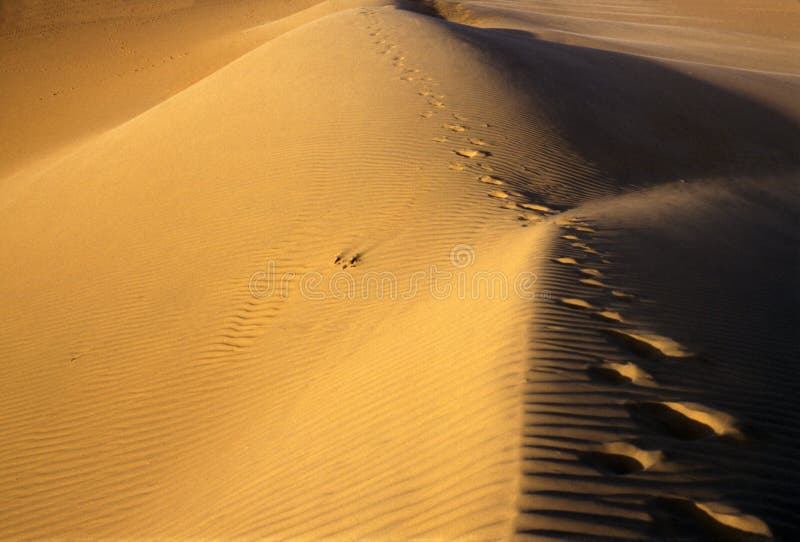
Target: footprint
[[576, 303], [609, 316], [488, 179], [677, 517], [471, 153], [621, 458], [685, 421], [571, 237], [408, 78], [566, 261], [650, 345], [622, 296], [620, 373], [345, 262], [592, 272], [593, 282], [529, 217], [509, 205], [440, 139], [573, 227], [536, 207], [498, 194], [456, 167], [584, 247], [454, 127], [477, 141], [461, 118], [437, 104], [486, 167]]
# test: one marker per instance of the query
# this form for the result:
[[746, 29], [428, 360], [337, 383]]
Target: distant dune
[[373, 270]]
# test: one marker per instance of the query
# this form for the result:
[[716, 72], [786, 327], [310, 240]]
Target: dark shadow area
[[719, 268], [612, 463], [637, 120], [661, 418]]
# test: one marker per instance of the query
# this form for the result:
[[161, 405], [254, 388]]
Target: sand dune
[[369, 270]]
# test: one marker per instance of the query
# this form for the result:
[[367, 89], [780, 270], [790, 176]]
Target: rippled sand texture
[[350, 270]]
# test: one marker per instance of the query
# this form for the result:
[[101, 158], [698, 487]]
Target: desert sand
[[377, 270]]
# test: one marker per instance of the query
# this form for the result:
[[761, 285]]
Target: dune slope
[[429, 270]]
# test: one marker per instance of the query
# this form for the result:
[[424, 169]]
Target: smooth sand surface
[[363, 270]]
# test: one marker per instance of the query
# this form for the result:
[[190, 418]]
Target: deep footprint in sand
[[577, 303], [680, 518], [650, 345], [621, 458], [685, 421], [620, 373], [584, 247], [609, 316], [576, 227], [593, 282], [592, 272], [566, 261]]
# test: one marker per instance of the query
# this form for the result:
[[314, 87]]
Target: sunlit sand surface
[[374, 270]]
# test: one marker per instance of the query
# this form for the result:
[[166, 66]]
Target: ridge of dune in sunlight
[[371, 270]]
